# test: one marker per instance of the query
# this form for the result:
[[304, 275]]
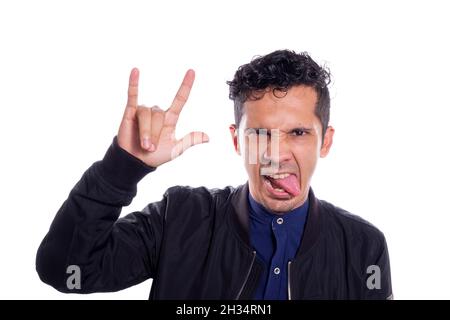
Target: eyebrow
[[299, 128], [306, 129]]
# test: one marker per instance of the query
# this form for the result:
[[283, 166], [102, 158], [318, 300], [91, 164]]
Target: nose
[[276, 151]]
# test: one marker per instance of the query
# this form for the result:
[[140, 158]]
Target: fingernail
[[146, 143]]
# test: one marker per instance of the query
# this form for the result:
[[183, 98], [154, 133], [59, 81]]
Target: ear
[[234, 136], [327, 142]]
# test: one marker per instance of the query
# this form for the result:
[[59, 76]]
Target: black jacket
[[194, 243]]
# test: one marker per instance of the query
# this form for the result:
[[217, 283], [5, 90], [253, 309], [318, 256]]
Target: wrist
[[121, 169]]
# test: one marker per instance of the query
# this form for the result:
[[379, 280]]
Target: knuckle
[[143, 110], [132, 93], [180, 97], [156, 108], [143, 107]]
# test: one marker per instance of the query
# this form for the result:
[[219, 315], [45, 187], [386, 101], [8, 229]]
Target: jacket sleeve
[[88, 249], [378, 281]]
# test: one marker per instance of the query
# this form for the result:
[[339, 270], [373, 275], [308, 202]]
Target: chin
[[281, 206]]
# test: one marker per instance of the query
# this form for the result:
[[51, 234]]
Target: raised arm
[[88, 249]]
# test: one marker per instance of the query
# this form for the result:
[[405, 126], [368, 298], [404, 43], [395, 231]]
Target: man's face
[[280, 164]]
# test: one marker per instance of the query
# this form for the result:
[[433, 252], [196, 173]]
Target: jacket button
[[276, 270], [280, 220]]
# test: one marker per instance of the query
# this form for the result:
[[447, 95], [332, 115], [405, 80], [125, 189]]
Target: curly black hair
[[279, 71]]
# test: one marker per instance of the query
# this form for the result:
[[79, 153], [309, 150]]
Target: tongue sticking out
[[289, 184]]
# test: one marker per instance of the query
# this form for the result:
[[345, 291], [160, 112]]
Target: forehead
[[296, 107]]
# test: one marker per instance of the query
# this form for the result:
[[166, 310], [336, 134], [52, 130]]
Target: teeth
[[280, 176], [278, 189]]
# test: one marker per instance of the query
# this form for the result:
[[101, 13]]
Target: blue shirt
[[276, 239]]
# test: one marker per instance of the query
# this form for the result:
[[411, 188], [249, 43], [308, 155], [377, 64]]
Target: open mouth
[[283, 185]]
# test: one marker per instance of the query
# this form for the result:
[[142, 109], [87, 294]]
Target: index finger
[[183, 92], [133, 88]]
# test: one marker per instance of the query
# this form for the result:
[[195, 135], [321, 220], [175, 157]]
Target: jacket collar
[[240, 218]]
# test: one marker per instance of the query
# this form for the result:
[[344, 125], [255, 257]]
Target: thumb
[[189, 140]]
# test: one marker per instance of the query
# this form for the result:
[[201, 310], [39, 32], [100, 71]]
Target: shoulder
[[366, 257], [352, 226], [198, 201], [188, 193]]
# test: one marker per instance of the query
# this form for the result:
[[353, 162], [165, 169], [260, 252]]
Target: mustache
[[273, 169]]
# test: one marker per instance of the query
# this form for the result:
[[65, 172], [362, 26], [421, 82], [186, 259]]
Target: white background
[[64, 68]]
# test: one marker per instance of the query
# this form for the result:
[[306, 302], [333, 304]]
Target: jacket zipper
[[289, 280], [246, 277]]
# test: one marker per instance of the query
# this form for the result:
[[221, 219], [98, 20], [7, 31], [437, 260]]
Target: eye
[[298, 132], [262, 132]]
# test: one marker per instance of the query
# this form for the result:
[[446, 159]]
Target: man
[[270, 238]]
